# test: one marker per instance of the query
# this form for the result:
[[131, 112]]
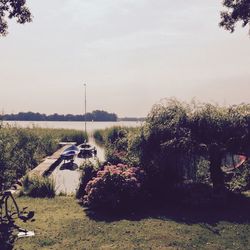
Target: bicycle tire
[[1, 210], [11, 208]]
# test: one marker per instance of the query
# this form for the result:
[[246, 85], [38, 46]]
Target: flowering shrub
[[116, 186]]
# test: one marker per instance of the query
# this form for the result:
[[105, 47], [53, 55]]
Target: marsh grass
[[38, 187], [22, 149]]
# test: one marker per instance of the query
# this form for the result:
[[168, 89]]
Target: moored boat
[[86, 149], [70, 153]]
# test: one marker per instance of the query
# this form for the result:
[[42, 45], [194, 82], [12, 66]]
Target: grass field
[[61, 223]]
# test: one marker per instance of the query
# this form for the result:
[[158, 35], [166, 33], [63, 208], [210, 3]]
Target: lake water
[[91, 126]]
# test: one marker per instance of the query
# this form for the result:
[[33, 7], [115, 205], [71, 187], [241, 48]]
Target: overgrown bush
[[239, 179], [116, 187], [99, 137], [202, 171], [89, 171], [38, 187], [166, 146], [183, 141], [121, 144]]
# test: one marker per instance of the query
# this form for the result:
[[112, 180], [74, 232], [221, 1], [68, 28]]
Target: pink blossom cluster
[[114, 185]]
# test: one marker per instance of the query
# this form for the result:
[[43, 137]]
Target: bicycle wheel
[[11, 208], [1, 210]]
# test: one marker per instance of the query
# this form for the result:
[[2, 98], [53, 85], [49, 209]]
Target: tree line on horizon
[[96, 115]]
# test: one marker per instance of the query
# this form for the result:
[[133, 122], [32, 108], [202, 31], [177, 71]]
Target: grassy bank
[[22, 149], [61, 223]]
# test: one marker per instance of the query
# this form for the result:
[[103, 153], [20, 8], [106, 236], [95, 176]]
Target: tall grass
[[39, 187], [22, 149], [120, 144]]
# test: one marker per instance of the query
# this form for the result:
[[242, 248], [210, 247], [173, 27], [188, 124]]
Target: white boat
[[86, 149], [70, 153]]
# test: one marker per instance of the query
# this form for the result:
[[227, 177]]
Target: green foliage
[[38, 187], [181, 141], [74, 136], [115, 187], [16, 9], [22, 149], [240, 179], [237, 11], [122, 144], [99, 137], [202, 171], [89, 171], [167, 145], [180, 138]]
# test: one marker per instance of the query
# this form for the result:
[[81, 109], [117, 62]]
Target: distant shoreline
[[117, 121], [95, 116]]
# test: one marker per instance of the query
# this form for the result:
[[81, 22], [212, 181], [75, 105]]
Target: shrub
[[116, 187], [166, 146], [99, 137], [116, 144], [240, 180], [115, 156], [38, 187], [174, 132], [122, 144], [89, 171]]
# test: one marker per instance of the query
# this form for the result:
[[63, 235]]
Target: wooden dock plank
[[44, 167]]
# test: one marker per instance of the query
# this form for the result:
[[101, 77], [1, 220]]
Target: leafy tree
[[237, 11], [177, 135], [16, 9]]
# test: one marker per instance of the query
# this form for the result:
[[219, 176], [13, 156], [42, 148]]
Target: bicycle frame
[[10, 206]]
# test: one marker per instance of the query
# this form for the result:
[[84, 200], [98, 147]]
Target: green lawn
[[61, 223]]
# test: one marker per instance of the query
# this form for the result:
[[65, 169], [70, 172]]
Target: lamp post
[[85, 104]]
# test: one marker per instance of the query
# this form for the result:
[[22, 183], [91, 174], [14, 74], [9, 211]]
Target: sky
[[129, 53]]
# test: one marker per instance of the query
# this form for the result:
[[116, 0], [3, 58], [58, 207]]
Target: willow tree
[[177, 135], [166, 147], [13, 9]]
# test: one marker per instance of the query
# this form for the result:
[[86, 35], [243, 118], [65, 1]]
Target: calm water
[[91, 126]]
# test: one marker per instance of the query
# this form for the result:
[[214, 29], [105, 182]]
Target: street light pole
[[85, 108]]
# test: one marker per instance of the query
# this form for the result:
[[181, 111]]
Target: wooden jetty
[[49, 164]]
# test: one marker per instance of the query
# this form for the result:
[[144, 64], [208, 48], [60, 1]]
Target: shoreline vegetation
[[96, 116], [182, 150], [22, 149]]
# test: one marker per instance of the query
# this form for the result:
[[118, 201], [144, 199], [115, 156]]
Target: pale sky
[[131, 54]]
